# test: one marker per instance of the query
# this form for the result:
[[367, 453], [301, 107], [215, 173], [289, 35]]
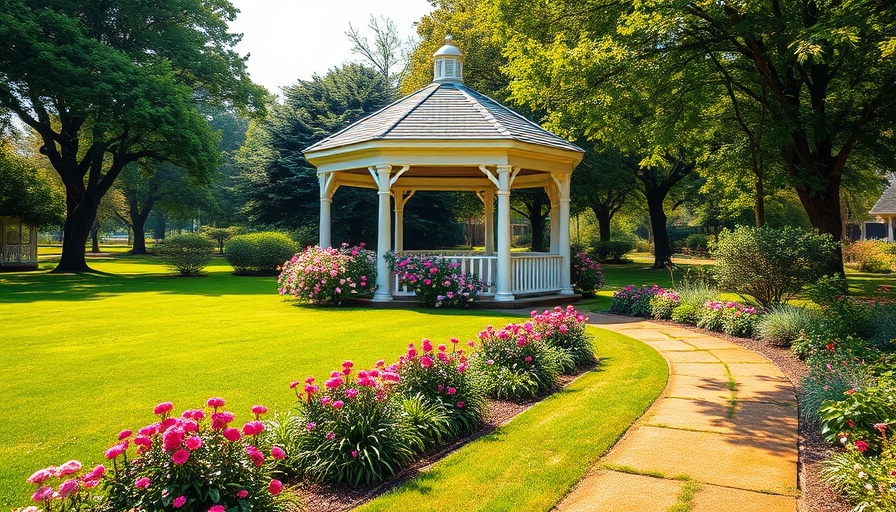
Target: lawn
[[85, 356]]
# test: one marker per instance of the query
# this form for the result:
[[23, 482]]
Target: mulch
[[332, 498]]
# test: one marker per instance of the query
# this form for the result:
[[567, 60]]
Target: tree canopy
[[26, 192]]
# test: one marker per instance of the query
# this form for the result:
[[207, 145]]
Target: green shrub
[[769, 264], [515, 364], [875, 256], [187, 254], [685, 314], [697, 242], [854, 416], [613, 250], [732, 318], [867, 480], [783, 324], [835, 367], [662, 304], [258, 253], [644, 246]]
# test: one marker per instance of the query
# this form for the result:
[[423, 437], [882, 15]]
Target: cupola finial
[[448, 65]]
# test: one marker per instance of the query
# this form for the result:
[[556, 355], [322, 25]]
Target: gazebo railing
[[531, 273]]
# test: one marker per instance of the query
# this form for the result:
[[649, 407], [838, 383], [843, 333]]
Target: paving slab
[[700, 388], [669, 344], [772, 422], [612, 491], [740, 462], [704, 342], [739, 355], [715, 370], [711, 498], [689, 356]]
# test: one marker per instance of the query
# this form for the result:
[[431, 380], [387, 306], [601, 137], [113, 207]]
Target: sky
[[290, 40]]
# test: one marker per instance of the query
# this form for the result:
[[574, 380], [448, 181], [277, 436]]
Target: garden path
[[721, 438]]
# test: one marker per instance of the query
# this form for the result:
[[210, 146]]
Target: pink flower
[[242, 493], [324, 400], [882, 427], [217, 508], [451, 391], [259, 410], [124, 434], [180, 457], [116, 450], [149, 430], [862, 446], [179, 501], [275, 487], [96, 473], [256, 455], [278, 453], [471, 343], [426, 361], [232, 434], [338, 404], [310, 426], [351, 392], [142, 440], [334, 382], [39, 476], [330, 435], [43, 493], [194, 443], [528, 359], [215, 402], [253, 428], [293, 384], [164, 407], [354, 454], [68, 468], [142, 483], [426, 345], [68, 488], [173, 438], [460, 404]]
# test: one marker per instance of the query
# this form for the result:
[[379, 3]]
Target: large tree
[[105, 84], [26, 192]]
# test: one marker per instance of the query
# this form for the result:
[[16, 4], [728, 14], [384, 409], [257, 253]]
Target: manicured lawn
[[85, 356], [535, 460]]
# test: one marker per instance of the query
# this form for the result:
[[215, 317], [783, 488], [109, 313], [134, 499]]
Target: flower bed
[[437, 281], [328, 276]]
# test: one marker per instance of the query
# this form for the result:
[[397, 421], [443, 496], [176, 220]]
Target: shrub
[[441, 378], [834, 368], [857, 415], [867, 480], [187, 254], [869, 256], [328, 276], [783, 324], [644, 246], [771, 265], [356, 431], [732, 318], [187, 462], [612, 250], [686, 314], [587, 276], [514, 363], [697, 243], [634, 301], [565, 330], [437, 281], [663, 303], [258, 253]]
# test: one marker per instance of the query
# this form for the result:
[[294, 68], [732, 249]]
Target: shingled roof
[[887, 202], [444, 111]]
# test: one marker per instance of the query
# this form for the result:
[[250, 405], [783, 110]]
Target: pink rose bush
[[565, 329], [587, 275], [730, 317], [437, 281], [328, 276], [180, 462]]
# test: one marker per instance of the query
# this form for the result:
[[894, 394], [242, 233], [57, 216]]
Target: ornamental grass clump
[[514, 362], [783, 324], [566, 330], [329, 276], [437, 281], [195, 462], [355, 430], [441, 377]]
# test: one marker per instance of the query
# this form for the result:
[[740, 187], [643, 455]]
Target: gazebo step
[[410, 302]]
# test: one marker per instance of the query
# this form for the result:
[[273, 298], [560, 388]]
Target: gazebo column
[[562, 182], [554, 196], [488, 200], [327, 189], [380, 175], [401, 198], [505, 264]]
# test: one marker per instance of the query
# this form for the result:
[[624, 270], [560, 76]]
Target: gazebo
[[885, 211], [448, 137], [18, 244]]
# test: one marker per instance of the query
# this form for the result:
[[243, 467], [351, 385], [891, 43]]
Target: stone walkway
[[721, 438]]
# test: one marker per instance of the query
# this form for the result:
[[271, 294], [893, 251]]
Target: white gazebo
[[885, 212], [448, 137]]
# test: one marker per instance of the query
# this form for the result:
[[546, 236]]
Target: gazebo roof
[[886, 205], [444, 112]]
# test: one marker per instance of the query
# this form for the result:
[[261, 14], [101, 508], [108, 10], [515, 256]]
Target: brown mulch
[[815, 496], [330, 498]]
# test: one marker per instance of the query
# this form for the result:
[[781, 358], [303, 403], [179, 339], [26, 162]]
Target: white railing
[[17, 253], [531, 273]]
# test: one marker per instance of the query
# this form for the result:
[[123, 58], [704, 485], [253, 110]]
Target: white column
[[488, 200], [889, 229], [565, 275], [401, 197], [326, 199], [554, 197], [384, 234], [504, 281], [862, 226]]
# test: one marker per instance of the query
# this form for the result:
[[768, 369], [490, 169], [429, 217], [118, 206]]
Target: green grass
[[85, 356], [535, 460]]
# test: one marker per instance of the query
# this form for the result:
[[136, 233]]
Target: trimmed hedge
[[186, 254], [258, 253]]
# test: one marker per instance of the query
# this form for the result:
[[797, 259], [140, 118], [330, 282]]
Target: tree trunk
[[759, 202], [603, 222], [823, 209], [662, 250], [138, 223], [537, 222], [95, 238], [79, 219]]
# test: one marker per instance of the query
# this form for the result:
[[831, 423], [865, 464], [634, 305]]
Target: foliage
[[612, 250], [259, 253], [835, 367], [697, 243], [187, 254], [328, 276], [355, 430], [771, 265], [184, 463], [685, 313], [26, 193], [514, 362], [876, 256], [587, 276], [867, 480], [437, 281], [844, 316], [219, 235], [858, 413], [105, 85], [634, 301], [729, 317], [565, 329], [663, 304], [783, 324], [441, 378]]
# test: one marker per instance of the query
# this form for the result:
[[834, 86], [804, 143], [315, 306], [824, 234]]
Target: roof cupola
[[448, 63]]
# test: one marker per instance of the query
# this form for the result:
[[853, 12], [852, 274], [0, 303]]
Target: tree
[[387, 54], [105, 84], [534, 205], [26, 192], [603, 182]]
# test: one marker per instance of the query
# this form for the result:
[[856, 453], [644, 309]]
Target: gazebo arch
[[448, 137]]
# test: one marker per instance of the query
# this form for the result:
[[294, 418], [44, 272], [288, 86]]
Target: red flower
[[861, 446], [275, 487], [180, 457]]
